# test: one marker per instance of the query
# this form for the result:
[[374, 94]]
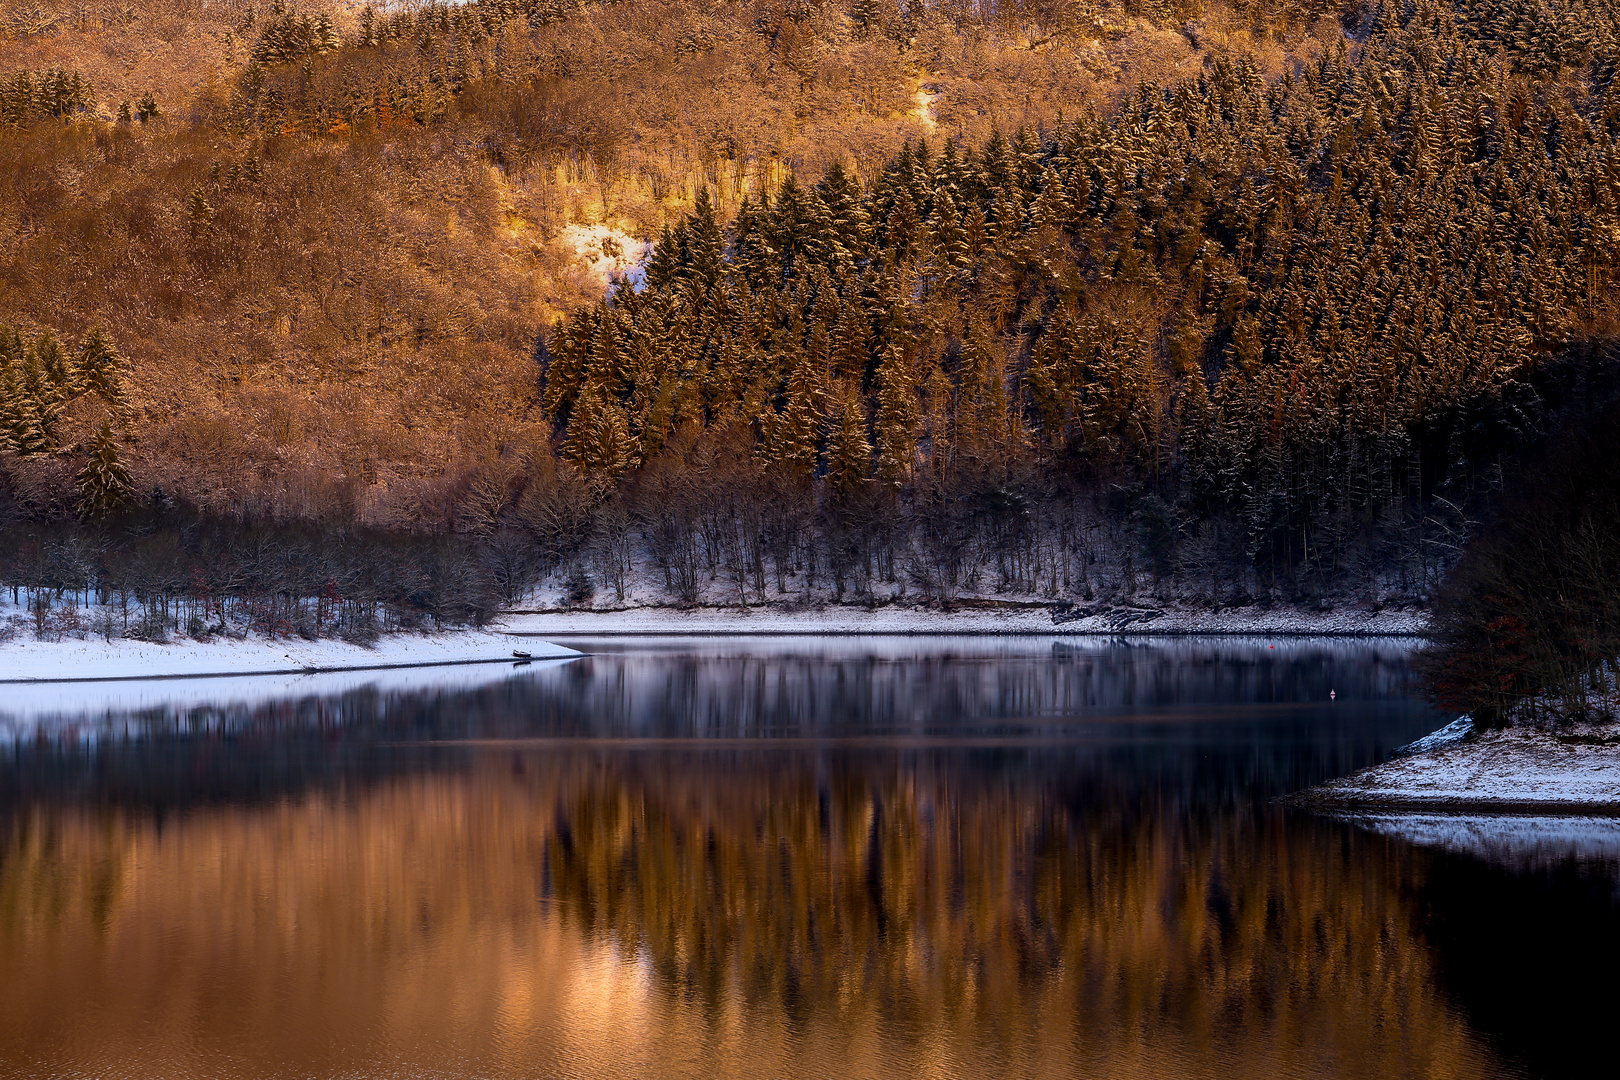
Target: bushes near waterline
[[1527, 626]]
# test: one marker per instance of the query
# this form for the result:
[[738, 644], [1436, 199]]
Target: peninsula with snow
[[1524, 641], [1510, 770]]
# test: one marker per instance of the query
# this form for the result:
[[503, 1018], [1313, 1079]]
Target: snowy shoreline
[[93, 659], [1513, 771], [88, 657], [980, 618]]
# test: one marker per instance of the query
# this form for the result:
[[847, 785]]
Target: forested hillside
[[325, 241], [1057, 301], [1285, 328]]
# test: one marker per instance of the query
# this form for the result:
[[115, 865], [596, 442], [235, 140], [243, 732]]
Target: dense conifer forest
[[1281, 328], [1072, 303]]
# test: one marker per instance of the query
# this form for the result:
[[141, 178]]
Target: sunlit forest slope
[[1053, 299]]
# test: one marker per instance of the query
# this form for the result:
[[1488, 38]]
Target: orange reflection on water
[[600, 912]]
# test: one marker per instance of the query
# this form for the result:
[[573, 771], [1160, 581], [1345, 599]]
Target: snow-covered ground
[[1516, 769], [28, 661], [609, 253], [926, 96], [1010, 619]]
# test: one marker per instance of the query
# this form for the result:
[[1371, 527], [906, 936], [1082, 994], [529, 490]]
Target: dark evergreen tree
[[104, 484]]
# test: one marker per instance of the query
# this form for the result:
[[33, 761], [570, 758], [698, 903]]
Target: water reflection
[[874, 862]]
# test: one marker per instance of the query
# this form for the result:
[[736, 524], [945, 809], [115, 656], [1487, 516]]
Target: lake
[[869, 857]]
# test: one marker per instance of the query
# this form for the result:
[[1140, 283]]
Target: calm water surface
[[867, 858]]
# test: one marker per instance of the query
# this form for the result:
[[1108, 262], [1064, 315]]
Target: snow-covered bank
[[978, 619], [1515, 769], [91, 711], [23, 661]]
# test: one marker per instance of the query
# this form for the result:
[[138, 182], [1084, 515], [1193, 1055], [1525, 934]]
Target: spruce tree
[[104, 483], [800, 419], [198, 210], [20, 427], [896, 414], [98, 370], [849, 454], [664, 265], [846, 217], [705, 244]]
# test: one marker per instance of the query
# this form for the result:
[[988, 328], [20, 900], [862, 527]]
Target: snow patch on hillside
[[926, 96], [610, 254]]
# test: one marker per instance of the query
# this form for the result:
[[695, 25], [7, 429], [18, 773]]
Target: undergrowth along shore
[[105, 622], [172, 569]]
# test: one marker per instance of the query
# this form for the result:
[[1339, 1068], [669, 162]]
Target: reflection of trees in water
[[166, 759], [790, 693], [868, 912], [984, 903]]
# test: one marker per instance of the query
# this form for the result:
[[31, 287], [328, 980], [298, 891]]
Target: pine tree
[[664, 265], [198, 210], [800, 227], [799, 422], [866, 14], [98, 370], [24, 433], [1376, 244], [756, 250], [53, 384], [896, 415], [705, 244], [599, 438], [950, 241], [104, 483], [851, 339], [938, 429], [846, 217], [981, 394], [44, 403], [849, 455], [22, 429]]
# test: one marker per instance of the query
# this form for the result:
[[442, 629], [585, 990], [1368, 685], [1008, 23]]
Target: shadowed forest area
[[1068, 303]]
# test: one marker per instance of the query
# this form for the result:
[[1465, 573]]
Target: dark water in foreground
[[886, 858]]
